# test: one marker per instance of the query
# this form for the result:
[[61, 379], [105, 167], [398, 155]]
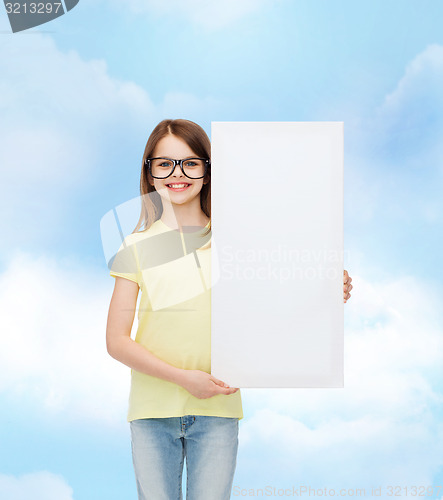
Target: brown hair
[[197, 139]]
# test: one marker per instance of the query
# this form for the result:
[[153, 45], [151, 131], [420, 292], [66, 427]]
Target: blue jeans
[[159, 446]]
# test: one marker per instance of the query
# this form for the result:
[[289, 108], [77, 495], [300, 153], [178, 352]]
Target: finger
[[223, 390], [228, 389], [218, 382]]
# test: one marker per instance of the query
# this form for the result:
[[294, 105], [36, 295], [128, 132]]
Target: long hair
[[197, 139]]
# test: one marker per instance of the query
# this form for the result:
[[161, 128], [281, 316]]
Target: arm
[[118, 336], [122, 348]]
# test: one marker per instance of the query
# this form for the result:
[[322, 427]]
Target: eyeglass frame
[[177, 162]]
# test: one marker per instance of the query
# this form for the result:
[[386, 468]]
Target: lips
[[186, 185]]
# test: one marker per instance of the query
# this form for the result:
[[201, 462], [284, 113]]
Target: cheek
[[197, 187], [158, 184]]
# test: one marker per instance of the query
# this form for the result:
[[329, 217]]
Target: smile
[[178, 187]]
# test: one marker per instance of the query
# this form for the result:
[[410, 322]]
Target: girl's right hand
[[203, 385]]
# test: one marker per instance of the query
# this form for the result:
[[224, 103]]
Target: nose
[[177, 171]]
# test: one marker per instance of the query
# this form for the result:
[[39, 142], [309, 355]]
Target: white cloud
[[55, 106], [407, 125], [38, 486], [61, 116], [422, 77], [384, 426], [53, 354], [395, 154]]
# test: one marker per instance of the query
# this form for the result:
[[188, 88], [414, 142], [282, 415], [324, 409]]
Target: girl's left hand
[[347, 287]]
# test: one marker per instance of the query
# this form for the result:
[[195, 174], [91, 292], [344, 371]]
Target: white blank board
[[277, 254]]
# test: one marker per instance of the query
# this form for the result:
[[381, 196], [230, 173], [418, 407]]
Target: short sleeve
[[124, 264]]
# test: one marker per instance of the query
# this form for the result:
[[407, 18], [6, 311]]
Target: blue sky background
[[78, 99]]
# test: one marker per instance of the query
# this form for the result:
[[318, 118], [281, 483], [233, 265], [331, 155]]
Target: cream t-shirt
[[173, 271]]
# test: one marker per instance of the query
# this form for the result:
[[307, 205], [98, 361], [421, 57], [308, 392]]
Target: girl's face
[[173, 147]]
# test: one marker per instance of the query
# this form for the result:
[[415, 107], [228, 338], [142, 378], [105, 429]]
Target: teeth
[[177, 185]]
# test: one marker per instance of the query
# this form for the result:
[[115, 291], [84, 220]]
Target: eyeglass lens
[[162, 167]]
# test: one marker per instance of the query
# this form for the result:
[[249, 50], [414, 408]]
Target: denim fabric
[[159, 448]]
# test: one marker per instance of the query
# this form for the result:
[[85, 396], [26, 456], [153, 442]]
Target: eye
[[190, 163]]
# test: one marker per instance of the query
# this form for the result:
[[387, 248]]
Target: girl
[[177, 409]]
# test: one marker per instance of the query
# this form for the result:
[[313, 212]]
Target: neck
[[177, 216]]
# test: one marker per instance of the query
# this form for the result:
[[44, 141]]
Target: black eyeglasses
[[161, 168]]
